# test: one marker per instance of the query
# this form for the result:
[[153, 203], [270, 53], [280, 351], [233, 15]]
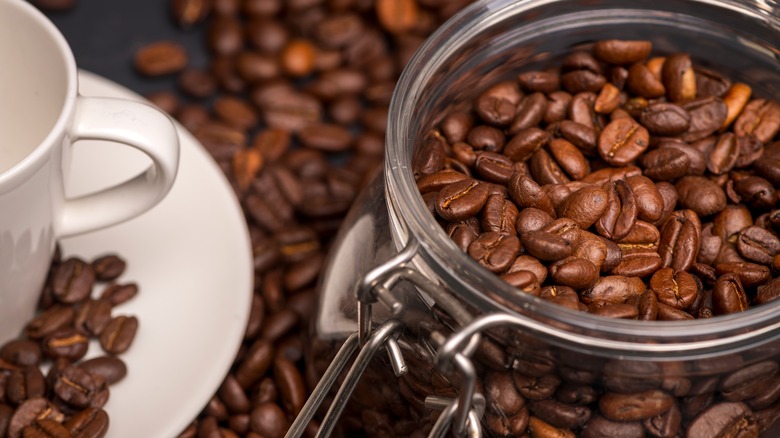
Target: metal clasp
[[461, 415]]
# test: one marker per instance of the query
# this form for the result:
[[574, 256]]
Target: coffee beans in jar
[[656, 179]]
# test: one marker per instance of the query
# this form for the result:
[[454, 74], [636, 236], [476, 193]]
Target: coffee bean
[[28, 412], [585, 206], [494, 250], [760, 118], [599, 427], [119, 334], [723, 419], [622, 51], [161, 58], [728, 296], [748, 382], [108, 267], [539, 81], [700, 195], [679, 78], [622, 141], [665, 119], [110, 368], [560, 414], [613, 289], [665, 164], [574, 272], [635, 407], [680, 238], [642, 82], [21, 352], [268, 420], [758, 245], [72, 281], [89, 423], [676, 289], [67, 343], [25, 384], [75, 386], [45, 429], [93, 316]]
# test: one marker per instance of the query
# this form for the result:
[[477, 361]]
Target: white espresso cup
[[42, 115]]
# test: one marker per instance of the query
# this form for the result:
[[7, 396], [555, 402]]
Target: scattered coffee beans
[[67, 401]]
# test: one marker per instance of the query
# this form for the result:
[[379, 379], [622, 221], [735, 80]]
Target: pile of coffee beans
[[292, 105], [67, 400], [620, 183]]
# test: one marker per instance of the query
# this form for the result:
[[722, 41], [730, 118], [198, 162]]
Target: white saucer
[[192, 260]]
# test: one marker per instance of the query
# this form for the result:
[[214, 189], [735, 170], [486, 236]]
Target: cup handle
[[134, 124]]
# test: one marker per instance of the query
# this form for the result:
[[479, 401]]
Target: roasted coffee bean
[[620, 213], [728, 296], [559, 414], [89, 423], [707, 116], [161, 58], [748, 382], [28, 412], [585, 206], [486, 138], [21, 352], [665, 164], [67, 343], [494, 250], [723, 419], [462, 199], [700, 195], [525, 143], [73, 280], [45, 429], [93, 316], [749, 274], [676, 289], [119, 334], [500, 215], [108, 267], [613, 289], [649, 202], [635, 407], [680, 239], [530, 113], [679, 78], [268, 419], [525, 192], [110, 368], [622, 51], [546, 246], [75, 386], [49, 321], [574, 272], [758, 245], [760, 118], [642, 82], [665, 119], [768, 292], [117, 293], [24, 384], [539, 81], [756, 192], [493, 167], [291, 385], [600, 427]]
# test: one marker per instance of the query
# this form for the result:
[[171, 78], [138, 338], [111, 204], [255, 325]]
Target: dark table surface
[[104, 35]]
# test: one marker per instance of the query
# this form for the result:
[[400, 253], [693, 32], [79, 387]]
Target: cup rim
[[24, 168], [457, 268]]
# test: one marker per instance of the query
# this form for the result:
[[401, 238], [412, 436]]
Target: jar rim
[[406, 207]]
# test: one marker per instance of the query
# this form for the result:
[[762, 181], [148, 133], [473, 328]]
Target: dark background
[[104, 35]]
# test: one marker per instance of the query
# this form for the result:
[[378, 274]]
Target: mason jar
[[431, 343]]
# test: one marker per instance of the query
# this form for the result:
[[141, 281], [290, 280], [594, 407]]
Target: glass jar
[[468, 362]]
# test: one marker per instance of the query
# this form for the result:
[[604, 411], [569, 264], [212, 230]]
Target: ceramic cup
[[42, 116]]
